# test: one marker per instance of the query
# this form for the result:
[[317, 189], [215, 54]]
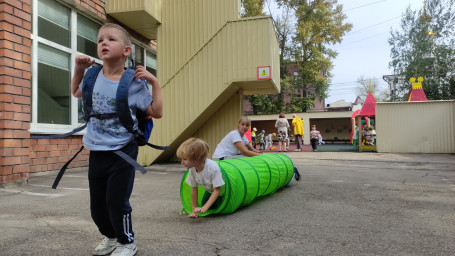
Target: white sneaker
[[125, 250], [106, 246]]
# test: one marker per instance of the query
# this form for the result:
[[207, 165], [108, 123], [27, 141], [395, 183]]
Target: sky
[[365, 50]]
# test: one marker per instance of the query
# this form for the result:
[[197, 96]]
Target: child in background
[[261, 140], [269, 141], [288, 140], [369, 136], [203, 172], [253, 137], [314, 135], [320, 139]]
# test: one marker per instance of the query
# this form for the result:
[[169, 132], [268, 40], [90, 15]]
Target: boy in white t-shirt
[[203, 172]]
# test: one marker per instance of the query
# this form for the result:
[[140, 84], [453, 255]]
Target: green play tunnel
[[245, 179]]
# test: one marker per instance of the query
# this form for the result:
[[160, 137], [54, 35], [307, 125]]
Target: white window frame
[[43, 128]]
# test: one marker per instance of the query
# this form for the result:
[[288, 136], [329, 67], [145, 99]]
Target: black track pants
[[111, 182]]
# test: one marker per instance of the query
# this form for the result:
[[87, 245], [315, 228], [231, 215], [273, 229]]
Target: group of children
[[266, 142], [369, 134]]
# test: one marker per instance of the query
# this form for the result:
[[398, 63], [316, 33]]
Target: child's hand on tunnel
[[193, 215], [199, 209]]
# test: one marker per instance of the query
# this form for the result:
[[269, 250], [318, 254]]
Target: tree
[[364, 85], [252, 8], [424, 47], [305, 31], [320, 24]]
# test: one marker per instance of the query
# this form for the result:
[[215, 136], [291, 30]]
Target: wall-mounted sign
[[264, 72]]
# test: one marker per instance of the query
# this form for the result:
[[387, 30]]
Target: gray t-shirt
[[109, 134]]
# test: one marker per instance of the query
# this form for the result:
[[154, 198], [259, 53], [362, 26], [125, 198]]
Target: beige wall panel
[[251, 44], [221, 123], [416, 127], [143, 16], [198, 80], [187, 26]]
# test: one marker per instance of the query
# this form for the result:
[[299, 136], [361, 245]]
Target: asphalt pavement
[[347, 203]]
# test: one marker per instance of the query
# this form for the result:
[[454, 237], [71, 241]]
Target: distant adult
[[297, 122], [236, 144], [282, 125]]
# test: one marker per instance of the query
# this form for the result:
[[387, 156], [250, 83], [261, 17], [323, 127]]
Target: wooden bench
[[333, 141]]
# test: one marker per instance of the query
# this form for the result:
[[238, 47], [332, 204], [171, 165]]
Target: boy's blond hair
[[124, 34], [194, 149], [245, 120]]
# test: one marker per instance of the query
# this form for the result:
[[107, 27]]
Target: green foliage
[[417, 52], [305, 31], [252, 8], [320, 24]]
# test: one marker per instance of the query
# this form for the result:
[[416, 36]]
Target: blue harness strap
[[57, 136], [63, 169], [130, 160]]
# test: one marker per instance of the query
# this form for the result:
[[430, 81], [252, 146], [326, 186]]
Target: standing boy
[[110, 177]]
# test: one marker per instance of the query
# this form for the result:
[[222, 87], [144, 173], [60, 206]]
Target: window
[[59, 35], [151, 62], [138, 55], [53, 99], [54, 22], [144, 58], [87, 35]]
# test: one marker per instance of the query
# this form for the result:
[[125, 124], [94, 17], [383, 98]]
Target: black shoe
[[296, 174]]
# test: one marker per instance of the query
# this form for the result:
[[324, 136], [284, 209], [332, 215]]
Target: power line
[[363, 39], [364, 5], [374, 25]]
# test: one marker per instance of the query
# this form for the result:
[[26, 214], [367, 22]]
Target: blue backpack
[[145, 123]]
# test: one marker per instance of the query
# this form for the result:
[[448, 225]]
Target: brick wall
[[15, 89], [20, 155], [52, 154]]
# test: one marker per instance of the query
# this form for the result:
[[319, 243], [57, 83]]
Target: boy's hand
[[143, 73], [83, 62]]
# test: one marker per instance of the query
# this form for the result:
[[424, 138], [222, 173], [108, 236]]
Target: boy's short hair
[[125, 34], [281, 115], [194, 149], [245, 120]]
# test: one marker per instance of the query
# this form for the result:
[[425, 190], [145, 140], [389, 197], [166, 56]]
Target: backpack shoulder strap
[[87, 91], [122, 107]]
